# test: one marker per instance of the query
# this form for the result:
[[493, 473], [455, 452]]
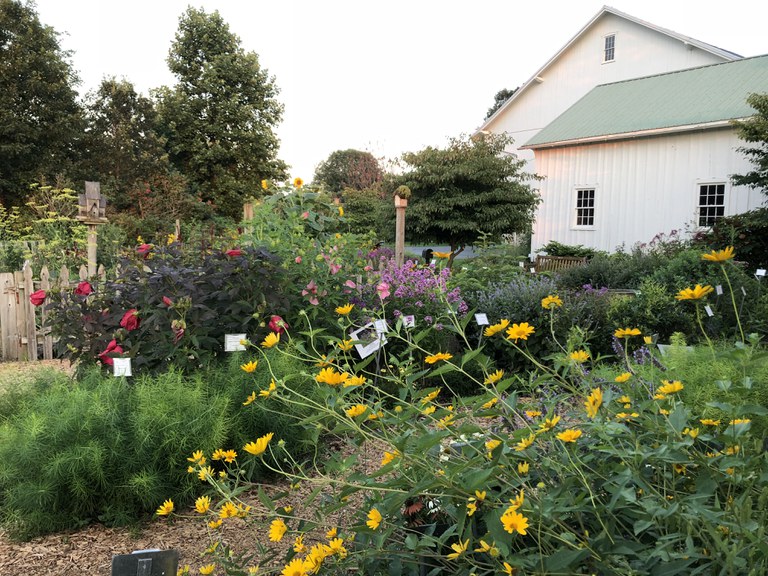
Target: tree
[[40, 120], [352, 169], [473, 186], [219, 117], [755, 131], [498, 100], [123, 149]]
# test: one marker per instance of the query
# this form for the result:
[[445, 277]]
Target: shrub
[[493, 265]]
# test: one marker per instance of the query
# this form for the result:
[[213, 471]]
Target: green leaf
[[562, 559]]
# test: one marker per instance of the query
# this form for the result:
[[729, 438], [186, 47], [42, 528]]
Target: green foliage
[[754, 131], [348, 169], [40, 119], [496, 264], [368, 210], [469, 187], [220, 116], [499, 99], [747, 233], [554, 248]]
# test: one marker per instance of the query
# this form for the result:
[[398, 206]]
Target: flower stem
[[733, 302]]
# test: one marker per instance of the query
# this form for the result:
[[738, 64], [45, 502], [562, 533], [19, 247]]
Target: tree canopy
[[220, 116], [498, 100], [472, 186], [40, 119], [350, 168], [755, 131]]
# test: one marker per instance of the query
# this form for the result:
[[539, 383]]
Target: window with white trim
[[711, 203], [609, 48], [585, 207]]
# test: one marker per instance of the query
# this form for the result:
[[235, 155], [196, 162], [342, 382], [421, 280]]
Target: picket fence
[[23, 328]]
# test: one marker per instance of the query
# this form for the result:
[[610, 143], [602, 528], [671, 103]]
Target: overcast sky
[[387, 77]]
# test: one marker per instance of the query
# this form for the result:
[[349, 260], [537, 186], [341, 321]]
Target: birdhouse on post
[[401, 203], [91, 210]]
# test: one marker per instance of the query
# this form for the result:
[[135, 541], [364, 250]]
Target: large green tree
[[40, 119], [755, 132], [353, 169], [498, 100], [470, 187], [220, 116]]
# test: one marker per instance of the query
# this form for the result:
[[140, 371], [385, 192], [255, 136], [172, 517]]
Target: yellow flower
[[623, 377], [594, 401], [428, 410], [692, 432], [732, 450], [295, 567], [490, 404], [670, 387], [719, 255], [374, 519], [518, 500], [626, 415], [624, 400], [523, 468], [569, 435], [251, 398], [533, 413], [491, 445], [659, 397], [332, 533], [441, 254], [679, 468], [228, 510], [268, 392], [205, 473], [495, 377], [345, 345], [354, 381], [165, 509], [663, 412], [579, 356], [710, 422], [271, 339], [696, 293], [341, 212], [203, 504], [627, 332], [520, 331], [218, 454], [495, 328], [331, 377], [480, 495], [471, 508], [509, 570], [739, 421], [458, 549], [250, 366], [258, 447], [514, 522], [298, 544], [208, 569], [336, 546], [264, 184], [277, 530], [213, 524], [487, 549], [431, 396], [648, 340], [445, 422], [344, 310], [229, 456], [389, 457], [298, 182], [197, 457], [356, 410], [437, 357], [549, 423], [525, 443], [551, 302]]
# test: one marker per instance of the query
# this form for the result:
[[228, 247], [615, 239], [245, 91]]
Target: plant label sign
[[121, 367], [409, 321], [232, 342], [482, 319], [719, 290], [708, 309], [760, 272], [370, 337]]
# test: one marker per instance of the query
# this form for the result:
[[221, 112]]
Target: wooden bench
[[558, 263]]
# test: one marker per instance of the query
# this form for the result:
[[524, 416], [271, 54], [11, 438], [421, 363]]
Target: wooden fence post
[[31, 330], [45, 284]]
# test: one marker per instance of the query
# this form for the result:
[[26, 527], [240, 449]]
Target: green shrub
[[493, 265]]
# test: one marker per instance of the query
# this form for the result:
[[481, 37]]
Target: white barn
[[635, 158]]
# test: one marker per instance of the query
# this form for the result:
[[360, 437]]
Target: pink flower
[[84, 288], [368, 268], [305, 215], [350, 284], [298, 260], [167, 301], [277, 324], [112, 348], [383, 290], [37, 298], [334, 268], [130, 320], [144, 250], [234, 252]]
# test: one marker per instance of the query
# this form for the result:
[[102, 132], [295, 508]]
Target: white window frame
[[579, 206], [708, 207], [609, 49]]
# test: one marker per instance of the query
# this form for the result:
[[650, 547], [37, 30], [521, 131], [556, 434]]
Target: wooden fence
[[23, 331]]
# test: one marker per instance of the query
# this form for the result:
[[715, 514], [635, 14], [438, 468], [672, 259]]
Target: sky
[[386, 77]]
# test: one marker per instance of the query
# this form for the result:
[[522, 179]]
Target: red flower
[[167, 301], [112, 348], [144, 250], [37, 298], [277, 324], [84, 288], [234, 252], [130, 320]]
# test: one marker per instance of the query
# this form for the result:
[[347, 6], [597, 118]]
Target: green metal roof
[[675, 99]]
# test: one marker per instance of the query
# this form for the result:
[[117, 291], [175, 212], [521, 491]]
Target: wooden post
[[92, 211], [45, 284], [248, 217], [400, 206], [31, 329]]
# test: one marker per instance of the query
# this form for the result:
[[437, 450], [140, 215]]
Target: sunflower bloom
[[374, 519], [594, 401], [549, 423], [719, 255], [494, 378], [344, 310], [298, 182], [670, 387], [331, 377], [258, 447], [523, 468], [513, 522], [496, 328], [345, 345], [626, 332], [268, 392], [520, 331], [356, 410], [336, 546], [551, 302], [250, 366], [487, 549], [579, 356], [696, 293], [525, 443], [458, 549], [437, 357], [277, 530], [228, 510], [271, 339], [569, 435], [197, 457], [533, 413], [165, 508], [202, 504], [353, 381]]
